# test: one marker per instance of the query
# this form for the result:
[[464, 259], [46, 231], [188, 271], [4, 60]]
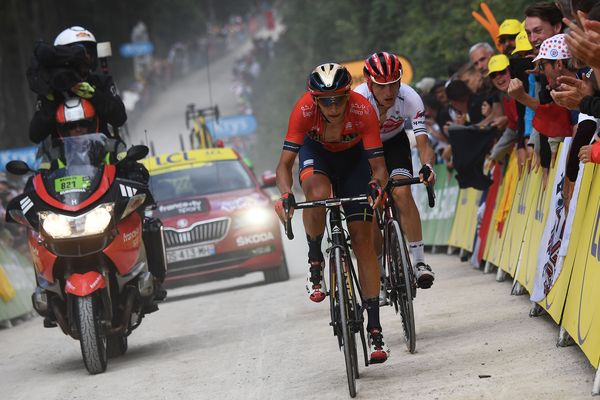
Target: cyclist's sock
[[372, 306], [417, 249], [314, 248]]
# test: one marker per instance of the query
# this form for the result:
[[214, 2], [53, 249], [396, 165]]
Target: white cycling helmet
[[74, 34]]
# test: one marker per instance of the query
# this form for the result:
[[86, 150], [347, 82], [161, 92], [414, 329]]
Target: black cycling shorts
[[350, 169], [398, 159]]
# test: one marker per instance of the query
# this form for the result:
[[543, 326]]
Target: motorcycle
[[88, 245]]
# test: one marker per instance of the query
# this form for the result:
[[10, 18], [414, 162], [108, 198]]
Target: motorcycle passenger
[[77, 117], [336, 135], [76, 80], [394, 103]]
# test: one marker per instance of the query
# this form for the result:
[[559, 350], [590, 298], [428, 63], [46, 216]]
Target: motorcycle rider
[[77, 79], [76, 117]]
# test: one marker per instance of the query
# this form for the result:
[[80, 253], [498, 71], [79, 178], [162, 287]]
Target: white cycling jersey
[[408, 105]]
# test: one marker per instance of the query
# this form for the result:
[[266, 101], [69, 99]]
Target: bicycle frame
[[346, 314], [199, 129], [343, 271], [400, 275]]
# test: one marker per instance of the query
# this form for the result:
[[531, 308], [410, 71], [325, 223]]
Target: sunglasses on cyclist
[[498, 73], [332, 100]]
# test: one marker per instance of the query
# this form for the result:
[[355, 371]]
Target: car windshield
[[203, 179]]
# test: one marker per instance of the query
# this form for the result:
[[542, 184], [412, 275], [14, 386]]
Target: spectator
[[543, 20], [507, 34], [499, 72], [465, 108], [479, 55], [439, 139], [584, 44]]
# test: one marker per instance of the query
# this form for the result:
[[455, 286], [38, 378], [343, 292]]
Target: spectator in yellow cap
[[499, 73], [509, 29], [522, 45]]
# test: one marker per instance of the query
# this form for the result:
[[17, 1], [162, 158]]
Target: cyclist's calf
[[361, 237]]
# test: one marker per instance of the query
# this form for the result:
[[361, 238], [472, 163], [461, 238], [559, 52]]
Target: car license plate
[[190, 253]]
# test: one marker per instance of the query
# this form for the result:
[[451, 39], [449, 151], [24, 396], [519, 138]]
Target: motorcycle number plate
[[190, 253], [73, 183]]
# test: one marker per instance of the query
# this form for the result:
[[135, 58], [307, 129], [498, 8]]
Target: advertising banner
[[548, 267], [534, 228], [437, 222], [582, 306], [522, 205]]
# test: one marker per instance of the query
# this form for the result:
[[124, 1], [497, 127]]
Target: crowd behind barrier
[[515, 131]]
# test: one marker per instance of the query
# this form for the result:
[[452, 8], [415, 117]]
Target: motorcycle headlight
[[255, 216], [60, 226]]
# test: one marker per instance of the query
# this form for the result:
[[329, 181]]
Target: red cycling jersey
[[360, 123]]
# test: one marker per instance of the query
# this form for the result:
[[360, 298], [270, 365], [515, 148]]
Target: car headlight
[[94, 222], [255, 216]]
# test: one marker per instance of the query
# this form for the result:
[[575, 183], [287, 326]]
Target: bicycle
[[200, 132], [400, 281], [344, 289]]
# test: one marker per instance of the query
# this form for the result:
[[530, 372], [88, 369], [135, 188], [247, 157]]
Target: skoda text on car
[[217, 220]]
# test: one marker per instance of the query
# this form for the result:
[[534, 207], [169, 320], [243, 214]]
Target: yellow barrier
[[491, 252], [465, 220], [580, 317], [574, 298], [535, 224]]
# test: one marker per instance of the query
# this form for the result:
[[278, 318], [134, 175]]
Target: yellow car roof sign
[[186, 159]]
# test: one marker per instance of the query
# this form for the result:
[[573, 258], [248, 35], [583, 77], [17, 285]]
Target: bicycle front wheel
[[401, 277], [348, 342]]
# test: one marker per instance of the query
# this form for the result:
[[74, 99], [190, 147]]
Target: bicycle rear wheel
[[348, 340], [401, 281]]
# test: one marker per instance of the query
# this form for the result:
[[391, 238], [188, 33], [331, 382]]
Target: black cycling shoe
[[425, 276]]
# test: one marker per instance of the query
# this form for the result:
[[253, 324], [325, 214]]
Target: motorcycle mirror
[[18, 167], [137, 152]]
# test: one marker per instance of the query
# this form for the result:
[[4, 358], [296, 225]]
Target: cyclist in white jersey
[[395, 103]]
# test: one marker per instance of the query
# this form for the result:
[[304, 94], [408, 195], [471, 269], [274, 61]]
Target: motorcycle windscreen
[[76, 173]]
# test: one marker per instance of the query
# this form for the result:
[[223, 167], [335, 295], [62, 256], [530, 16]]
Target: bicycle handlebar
[[404, 182], [327, 203], [334, 202], [413, 181]]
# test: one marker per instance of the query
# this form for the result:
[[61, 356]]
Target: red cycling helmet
[[383, 68], [329, 79]]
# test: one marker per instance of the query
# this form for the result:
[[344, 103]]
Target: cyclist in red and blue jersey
[[395, 103], [335, 132]]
